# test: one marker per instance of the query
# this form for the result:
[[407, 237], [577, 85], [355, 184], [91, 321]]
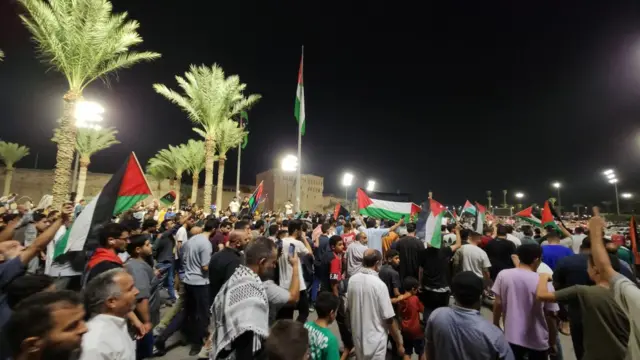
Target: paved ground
[[182, 352]]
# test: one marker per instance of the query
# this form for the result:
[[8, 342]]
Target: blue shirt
[[375, 237], [552, 253], [461, 333]]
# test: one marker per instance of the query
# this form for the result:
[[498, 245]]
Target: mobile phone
[[292, 249]]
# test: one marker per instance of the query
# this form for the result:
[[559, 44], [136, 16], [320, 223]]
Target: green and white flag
[[299, 109]]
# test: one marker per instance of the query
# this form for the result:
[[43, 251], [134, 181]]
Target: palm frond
[[228, 135], [208, 97], [172, 160], [11, 153], [195, 156], [90, 141], [83, 39]]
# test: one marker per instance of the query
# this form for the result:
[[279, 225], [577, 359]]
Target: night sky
[[453, 97]]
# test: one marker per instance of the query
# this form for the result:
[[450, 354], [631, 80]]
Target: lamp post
[[519, 196], [610, 174], [504, 198], [88, 115], [289, 164], [558, 185], [627, 196], [347, 180], [371, 185]]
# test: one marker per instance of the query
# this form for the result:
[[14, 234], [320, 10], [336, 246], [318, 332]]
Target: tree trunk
[[82, 178], [66, 148], [221, 160], [208, 171], [179, 182], [160, 188], [8, 175], [194, 189]]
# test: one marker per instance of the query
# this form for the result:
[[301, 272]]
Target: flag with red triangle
[[480, 218], [527, 215], [547, 217], [254, 200], [468, 208], [430, 223], [126, 187]]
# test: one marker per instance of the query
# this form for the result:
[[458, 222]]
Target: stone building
[[280, 186]]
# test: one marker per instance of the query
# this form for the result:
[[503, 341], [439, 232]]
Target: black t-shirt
[[391, 278], [221, 266], [499, 252], [435, 267], [410, 250]]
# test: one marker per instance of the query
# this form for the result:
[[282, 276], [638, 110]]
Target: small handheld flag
[[169, 198]]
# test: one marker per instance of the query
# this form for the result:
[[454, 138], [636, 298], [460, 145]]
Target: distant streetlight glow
[[347, 179], [371, 185], [557, 185], [626, 195], [519, 195], [613, 181], [88, 113], [610, 176], [289, 163], [607, 172]]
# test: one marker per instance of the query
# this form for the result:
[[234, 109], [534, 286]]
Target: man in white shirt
[[234, 206], [109, 296], [475, 259], [301, 248], [514, 239], [578, 236], [355, 253], [370, 311]]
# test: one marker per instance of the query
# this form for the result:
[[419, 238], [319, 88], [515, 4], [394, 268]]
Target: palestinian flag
[[299, 108], [383, 209], [481, 212], [633, 235], [527, 215], [254, 200], [340, 210], [547, 217], [126, 187], [169, 198], [468, 208], [430, 222]]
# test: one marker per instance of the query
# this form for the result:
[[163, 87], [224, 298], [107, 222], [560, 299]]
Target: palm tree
[[89, 142], [208, 99], [10, 154], [172, 161], [84, 41], [195, 164], [228, 136], [159, 174]]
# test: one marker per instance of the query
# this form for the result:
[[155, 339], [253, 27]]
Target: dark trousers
[[175, 325], [577, 337], [433, 300], [196, 306], [302, 306], [144, 347], [523, 353], [343, 325]]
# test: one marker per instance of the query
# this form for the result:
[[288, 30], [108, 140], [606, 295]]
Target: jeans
[[315, 289], [168, 267], [196, 306], [522, 353]]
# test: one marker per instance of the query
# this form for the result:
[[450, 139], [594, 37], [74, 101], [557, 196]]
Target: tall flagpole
[[238, 171], [300, 123]]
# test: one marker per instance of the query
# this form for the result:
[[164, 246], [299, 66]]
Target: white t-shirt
[[181, 237], [577, 241], [450, 239], [544, 269], [514, 239], [234, 206], [283, 262], [369, 308], [474, 259], [288, 209]]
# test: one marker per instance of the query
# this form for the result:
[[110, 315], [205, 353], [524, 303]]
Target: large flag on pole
[[383, 209], [527, 215], [480, 218], [299, 108], [126, 187]]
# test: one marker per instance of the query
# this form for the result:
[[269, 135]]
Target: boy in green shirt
[[323, 344]]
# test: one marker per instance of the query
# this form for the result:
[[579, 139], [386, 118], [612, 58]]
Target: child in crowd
[[410, 309], [323, 344]]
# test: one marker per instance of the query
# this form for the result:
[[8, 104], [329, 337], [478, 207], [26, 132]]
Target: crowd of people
[[243, 287]]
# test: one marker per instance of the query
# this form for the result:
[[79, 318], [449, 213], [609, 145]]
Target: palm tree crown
[[194, 154], [90, 141], [11, 153], [83, 39], [228, 136]]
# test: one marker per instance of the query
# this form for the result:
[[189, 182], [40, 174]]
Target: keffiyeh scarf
[[240, 306]]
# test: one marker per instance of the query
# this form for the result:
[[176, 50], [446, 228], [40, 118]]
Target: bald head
[[238, 239], [371, 258]]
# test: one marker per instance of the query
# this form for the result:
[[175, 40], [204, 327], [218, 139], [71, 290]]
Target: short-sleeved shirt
[[286, 271], [369, 307], [410, 310], [375, 237], [277, 296], [348, 238], [222, 265], [605, 325], [323, 344], [355, 252], [196, 254], [435, 268], [142, 275], [330, 270], [627, 296], [474, 259], [391, 278], [460, 333], [499, 252], [387, 240], [552, 253], [524, 316], [410, 250]]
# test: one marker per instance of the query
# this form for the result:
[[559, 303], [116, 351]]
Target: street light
[[558, 185], [88, 115], [610, 174], [626, 195], [519, 195], [371, 185], [347, 180]]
